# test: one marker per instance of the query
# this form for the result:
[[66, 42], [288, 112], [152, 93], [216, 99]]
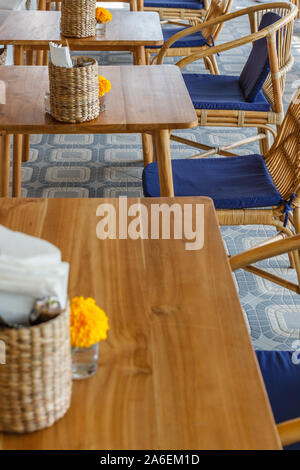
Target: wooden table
[[33, 30], [135, 5], [178, 370], [145, 99]]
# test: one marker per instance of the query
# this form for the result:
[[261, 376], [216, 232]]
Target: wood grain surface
[[141, 99], [38, 28], [178, 370]]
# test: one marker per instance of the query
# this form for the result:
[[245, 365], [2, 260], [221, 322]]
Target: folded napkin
[[60, 56], [30, 269]]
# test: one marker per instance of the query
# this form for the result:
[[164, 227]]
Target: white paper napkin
[[60, 56], [30, 269]]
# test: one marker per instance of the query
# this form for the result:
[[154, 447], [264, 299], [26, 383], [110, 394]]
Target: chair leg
[[148, 57], [215, 65], [264, 144], [26, 147], [17, 165], [209, 65], [296, 223]]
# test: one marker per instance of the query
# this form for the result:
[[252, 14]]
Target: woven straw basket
[[74, 92], [36, 379], [78, 18]]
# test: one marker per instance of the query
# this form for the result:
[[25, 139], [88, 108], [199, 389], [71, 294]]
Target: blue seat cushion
[[221, 92], [193, 40], [232, 182], [188, 4], [282, 381], [257, 67]]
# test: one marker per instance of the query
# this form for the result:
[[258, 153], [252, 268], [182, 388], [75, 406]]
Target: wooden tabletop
[[141, 99], [178, 370], [40, 27]]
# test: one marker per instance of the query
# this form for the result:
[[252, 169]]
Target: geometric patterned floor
[[111, 166]]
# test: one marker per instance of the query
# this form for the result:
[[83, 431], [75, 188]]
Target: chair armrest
[[289, 431], [195, 29], [260, 253], [226, 46]]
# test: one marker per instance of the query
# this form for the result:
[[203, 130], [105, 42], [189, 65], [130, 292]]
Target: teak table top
[[37, 28], [178, 370], [143, 98]]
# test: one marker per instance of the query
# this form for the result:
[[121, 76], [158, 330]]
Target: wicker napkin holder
[[74, 92], [78, 18], [36, 379]]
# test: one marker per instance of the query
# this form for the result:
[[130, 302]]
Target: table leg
[[39, 57], [29, 57], [4, 164], [147, 148], [17, 165], [19, 60], [162, 144], [19, 55], [140, 5], [133, 5], [42, 4], [26, 148], [45, 57], [139, 56], [140, 59]]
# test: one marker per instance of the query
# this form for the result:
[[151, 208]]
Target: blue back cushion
[[281, 373], [257, 67]]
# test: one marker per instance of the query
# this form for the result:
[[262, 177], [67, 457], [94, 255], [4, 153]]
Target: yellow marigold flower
[[89, 323], [104, 85], [103, 15]]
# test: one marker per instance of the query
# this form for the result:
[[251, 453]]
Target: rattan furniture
[[186, 44], [247, 190], [280, 362], [271, 50], [177, 9]]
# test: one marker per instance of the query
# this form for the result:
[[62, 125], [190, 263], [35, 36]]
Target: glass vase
[[84, 362], [102, 103], [100, 29]]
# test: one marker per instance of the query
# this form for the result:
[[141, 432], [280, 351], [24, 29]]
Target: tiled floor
[[110, 166]]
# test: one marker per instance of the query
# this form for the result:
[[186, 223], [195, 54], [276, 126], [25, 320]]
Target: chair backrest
[[257, 67], [283, 158], [217, 8], [278, 36], [283, 37]]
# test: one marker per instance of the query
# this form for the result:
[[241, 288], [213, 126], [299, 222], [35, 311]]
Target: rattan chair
[[270, 53], [248, 189], [289, 431], [189, 44], [177, 9]]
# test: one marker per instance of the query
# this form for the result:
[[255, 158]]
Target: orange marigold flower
[[89, 323], [104, 85], [103, 15]]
